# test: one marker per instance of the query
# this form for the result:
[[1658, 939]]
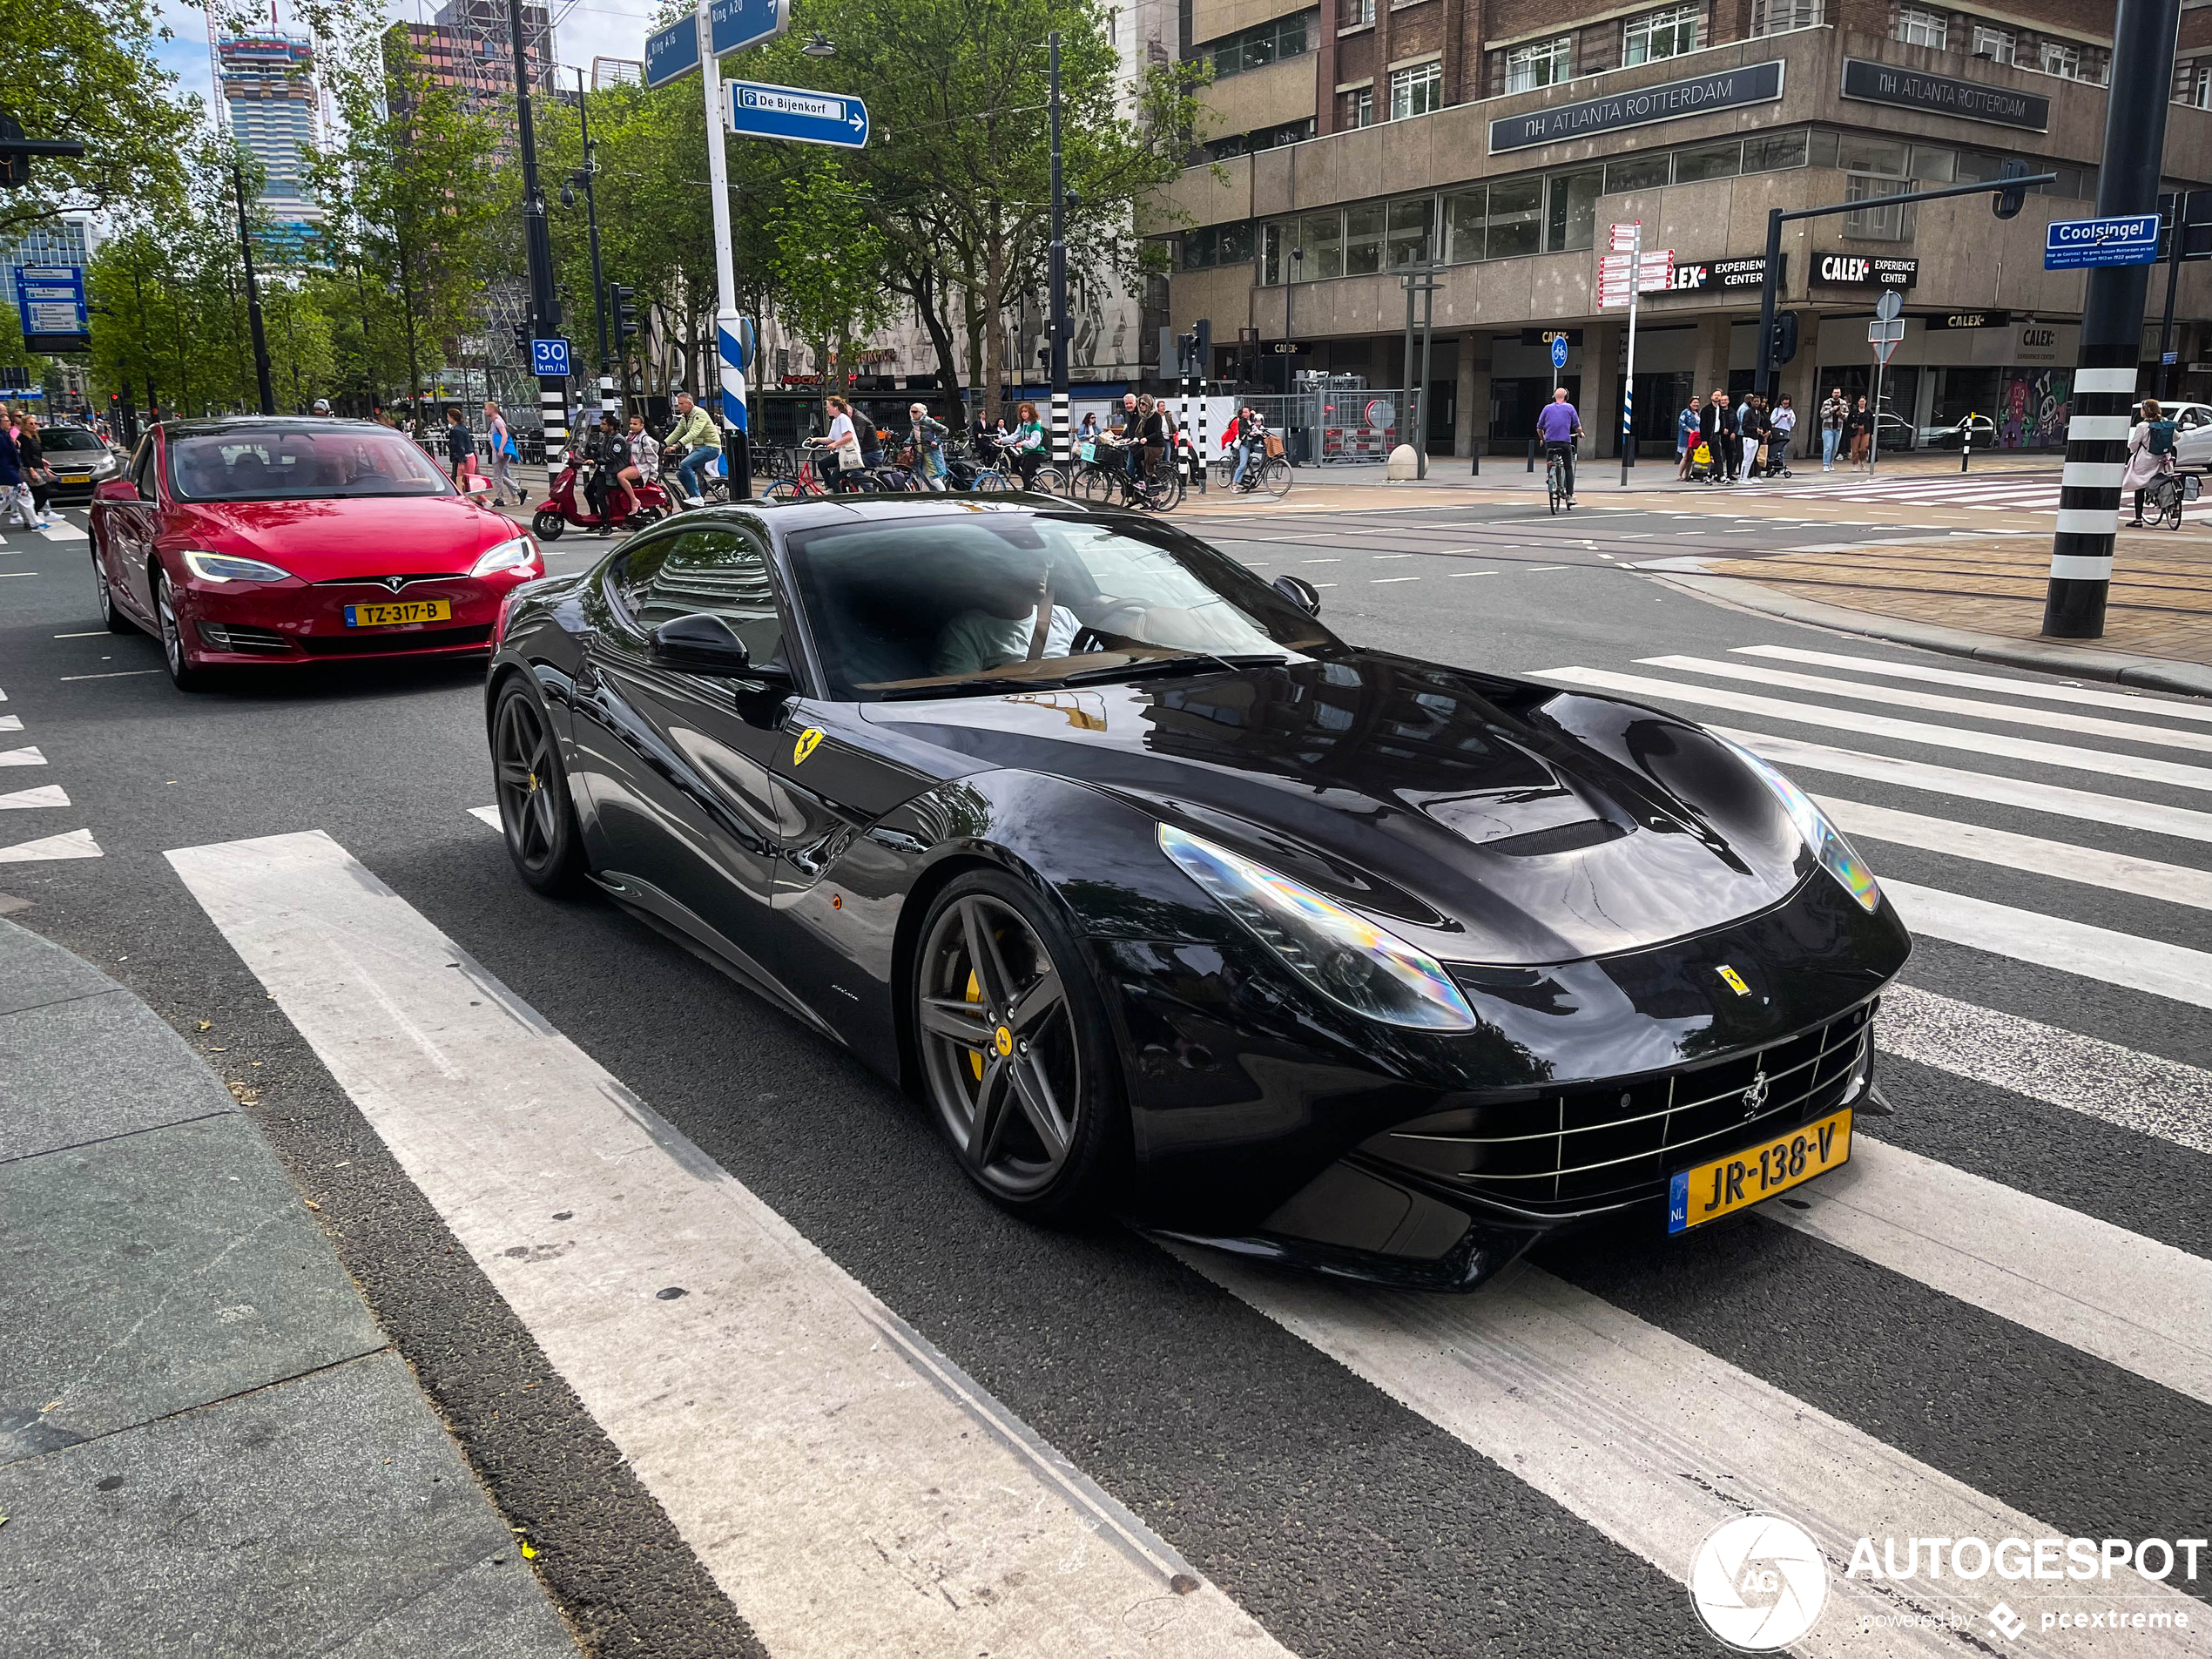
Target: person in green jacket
[[695, 435]]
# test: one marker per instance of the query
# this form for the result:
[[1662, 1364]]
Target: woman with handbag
[[839, 447]]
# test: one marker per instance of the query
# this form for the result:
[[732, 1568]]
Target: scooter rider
[[701, 445]]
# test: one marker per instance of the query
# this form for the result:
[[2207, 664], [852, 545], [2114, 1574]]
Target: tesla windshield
[[960, 601], [279, 463]]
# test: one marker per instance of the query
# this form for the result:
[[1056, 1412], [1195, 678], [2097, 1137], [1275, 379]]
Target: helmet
[[322, 406]]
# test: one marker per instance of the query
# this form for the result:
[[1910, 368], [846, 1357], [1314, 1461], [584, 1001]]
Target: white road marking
[[1455, 575], [1392, 555], [5, 573], [2048, 690], [2143, 965], [2140, 1304], [74, 844], [831, 1468], [488, 815], [2146, 877], [1533, 569], [1883, 725], [63, 533], [11, 722], [1653, 1441], [2143, 1092], [44, 795], [2055, 799], [1321, 561], [1936, 703], [96, 633], [1377, 581], [120, 674], [27, 756]]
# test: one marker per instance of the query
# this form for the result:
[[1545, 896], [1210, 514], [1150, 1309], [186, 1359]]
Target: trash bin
[[1297, 448]]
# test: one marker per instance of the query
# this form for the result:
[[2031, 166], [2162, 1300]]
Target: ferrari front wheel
[[535, 813], [1016, 1056]]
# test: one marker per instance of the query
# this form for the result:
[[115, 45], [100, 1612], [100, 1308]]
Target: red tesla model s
[[258, 540]]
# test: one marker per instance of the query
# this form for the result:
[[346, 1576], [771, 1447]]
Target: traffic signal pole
[[2112, 326], [253, 295], [591, 219], [1061, 454], [546, 305]]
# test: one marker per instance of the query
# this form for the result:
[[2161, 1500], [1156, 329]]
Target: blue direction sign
[[50, 303], [549, 358], [735, 25], [794, 113], [1559, 351], [2131, 239]]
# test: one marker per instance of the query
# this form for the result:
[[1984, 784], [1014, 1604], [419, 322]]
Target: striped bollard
[[553, 416], [731, 335], [1062, 453], [1206, 454], [1183, 425], [607, 399], [2096, 457]]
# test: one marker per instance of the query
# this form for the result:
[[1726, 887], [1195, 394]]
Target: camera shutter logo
[[1758, 1583]]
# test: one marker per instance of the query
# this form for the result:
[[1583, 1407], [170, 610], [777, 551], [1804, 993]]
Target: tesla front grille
[[376, 641], [1602, 1145]]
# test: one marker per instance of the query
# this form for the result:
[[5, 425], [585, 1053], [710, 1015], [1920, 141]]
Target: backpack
[[2159, 440]]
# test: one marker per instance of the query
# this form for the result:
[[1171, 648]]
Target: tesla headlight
[[225, 567], [1827, 843], [1341, 954], [510, 554]]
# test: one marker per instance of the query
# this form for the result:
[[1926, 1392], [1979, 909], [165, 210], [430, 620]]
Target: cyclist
[[1559, 424], [926, 440], [1251, 441], [2150, 454], [1152, 433], [1026, 445], [701, 446], [1131, 433], [839, 460]]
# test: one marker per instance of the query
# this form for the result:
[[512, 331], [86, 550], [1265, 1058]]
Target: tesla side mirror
[[1299, 592], [116, 489], [702, 642]]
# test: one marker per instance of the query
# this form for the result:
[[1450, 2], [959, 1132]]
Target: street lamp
[[819, 45], [584, 176]]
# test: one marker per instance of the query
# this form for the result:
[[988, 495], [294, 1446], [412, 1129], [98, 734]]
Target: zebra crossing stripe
[[822, 1459], [1936, 703], [2150, 965], [2001, 684], [2131, 1301], [1653, 1441]]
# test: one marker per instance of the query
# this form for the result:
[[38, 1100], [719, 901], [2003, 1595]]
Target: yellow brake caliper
[[974, 993]]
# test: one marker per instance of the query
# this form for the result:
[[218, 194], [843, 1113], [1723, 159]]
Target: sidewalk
[[206, 1443], [1656, 472], [1984, 598]]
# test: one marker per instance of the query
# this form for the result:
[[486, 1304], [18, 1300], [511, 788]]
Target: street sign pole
[[253, 294], [1883, 334], [1629, 369], [1061, 454], [729, 328], [537, 241], [2112, 328]]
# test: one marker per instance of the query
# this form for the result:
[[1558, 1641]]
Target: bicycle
[[1269, 473], [2164, 497], [1555, 480]]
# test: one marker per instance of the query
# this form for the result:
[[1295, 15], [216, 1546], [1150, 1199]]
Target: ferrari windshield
[[310, 463], [958, 602]]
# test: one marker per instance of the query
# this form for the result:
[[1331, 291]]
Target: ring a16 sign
[[673, 52]]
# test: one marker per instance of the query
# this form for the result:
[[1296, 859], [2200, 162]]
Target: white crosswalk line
[[63, 533], [73, 844], [27, 756], [11, 722], [1936, 703], [824, 1462], [2028, 853], [44, 795], [2002, 684], [487, 815], [1794, 755], [1653, 1441], [2146, 965], [2138, 1304], [1885, 726], [2143, 1092]]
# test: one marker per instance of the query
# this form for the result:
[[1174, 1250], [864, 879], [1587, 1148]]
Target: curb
[[2145, 673]]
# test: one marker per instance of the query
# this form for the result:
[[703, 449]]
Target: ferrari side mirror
[[1299, 592], [703, 642]]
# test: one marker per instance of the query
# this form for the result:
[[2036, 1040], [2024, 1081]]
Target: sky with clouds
[[597, 28]]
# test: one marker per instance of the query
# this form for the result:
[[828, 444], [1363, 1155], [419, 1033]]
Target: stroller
[[1705, 467]]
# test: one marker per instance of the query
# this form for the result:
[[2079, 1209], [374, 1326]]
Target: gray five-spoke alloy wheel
[[534, 810]]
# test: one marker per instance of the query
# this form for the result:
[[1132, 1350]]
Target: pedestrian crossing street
[[2031, 1217], [2016, 492]]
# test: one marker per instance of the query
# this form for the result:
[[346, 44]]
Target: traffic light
[[622, 307], [1785, 337], [1202, 347], [1044, 357], [522, 341], [2006, 203], [1186, 350]]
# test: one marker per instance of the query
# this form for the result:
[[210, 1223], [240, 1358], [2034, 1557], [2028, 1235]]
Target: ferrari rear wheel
[[536, 815], [1016, 1052]]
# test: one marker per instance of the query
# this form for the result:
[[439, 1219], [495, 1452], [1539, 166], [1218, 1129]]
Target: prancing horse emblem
[[1755, 1097]]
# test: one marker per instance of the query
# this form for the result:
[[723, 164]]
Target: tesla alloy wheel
[[111, 617], [181, 672], [535, 813], [1015, 1049]]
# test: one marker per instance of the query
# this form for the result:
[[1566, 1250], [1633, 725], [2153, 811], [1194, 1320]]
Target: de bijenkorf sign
[[756, 111], [1723, 89], [2130, 239]]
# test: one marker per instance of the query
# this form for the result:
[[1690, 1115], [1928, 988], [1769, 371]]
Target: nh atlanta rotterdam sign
[[1723, 89]]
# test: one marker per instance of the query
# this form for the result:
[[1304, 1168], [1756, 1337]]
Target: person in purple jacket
[[1559, 425]]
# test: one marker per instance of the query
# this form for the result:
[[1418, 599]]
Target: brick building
[[1504, 136]]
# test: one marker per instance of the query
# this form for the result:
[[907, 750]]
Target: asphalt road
[[2009, 1325]]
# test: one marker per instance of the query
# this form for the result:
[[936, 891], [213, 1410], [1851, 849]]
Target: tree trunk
[[994, 345], [940, 337], [973, 307]]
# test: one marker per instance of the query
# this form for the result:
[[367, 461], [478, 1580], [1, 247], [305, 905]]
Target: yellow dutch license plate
[[1708, 1191], [393, 615]]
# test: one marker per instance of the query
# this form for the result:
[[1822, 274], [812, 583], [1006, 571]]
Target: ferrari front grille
[[1600, 1145]]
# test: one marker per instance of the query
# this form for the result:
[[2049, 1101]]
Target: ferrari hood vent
[[1556, 837]]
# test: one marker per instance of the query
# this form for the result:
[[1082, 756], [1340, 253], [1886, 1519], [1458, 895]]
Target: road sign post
[[1623, 273], [1885, 334]]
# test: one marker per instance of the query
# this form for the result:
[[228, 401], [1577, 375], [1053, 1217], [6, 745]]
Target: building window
[[1265, 44], [1463, 212], [1410, 224], [1722, 160], [1660, 34], [1772, 152], [1417, 90], [1572, 220], [1356, 108], [1995, 44], [1918, 27], [1516, 218], [1875, 223], [2073, 62], [2201, 96], [1541, 63], [1636, 173], [1779, 16], [1354, 14], [1216, 244]]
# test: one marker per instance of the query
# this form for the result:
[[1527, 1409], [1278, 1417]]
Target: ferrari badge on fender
[[805, 746]]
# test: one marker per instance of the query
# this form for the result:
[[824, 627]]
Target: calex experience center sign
[[1724, 89]]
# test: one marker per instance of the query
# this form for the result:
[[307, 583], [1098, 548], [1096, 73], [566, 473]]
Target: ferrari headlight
[[510, 554], [1341, 954], [223, 567], [1827, 843]]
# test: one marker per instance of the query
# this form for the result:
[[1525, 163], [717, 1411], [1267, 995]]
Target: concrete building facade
[[1502, 138]]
